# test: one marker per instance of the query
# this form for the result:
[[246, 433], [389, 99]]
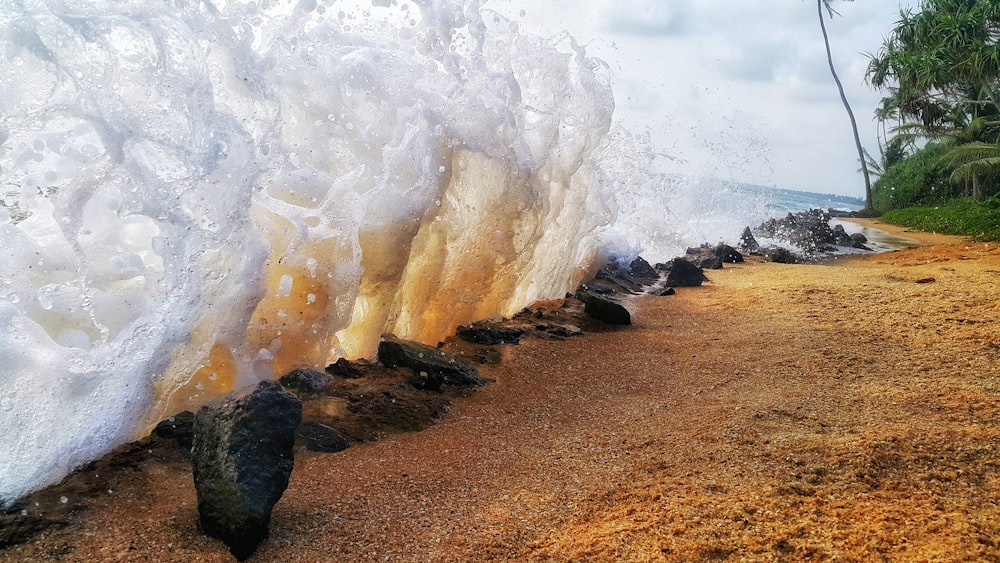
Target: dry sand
[[812, 412]]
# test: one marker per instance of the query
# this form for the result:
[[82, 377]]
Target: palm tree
[[973, 162], [820, 4]]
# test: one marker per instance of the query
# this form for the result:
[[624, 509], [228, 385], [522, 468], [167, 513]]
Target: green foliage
[[976, 165], [919, 179], [979, 219], [941, 70]]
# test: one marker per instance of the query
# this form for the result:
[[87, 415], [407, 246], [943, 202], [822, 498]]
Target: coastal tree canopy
[[940, 68]]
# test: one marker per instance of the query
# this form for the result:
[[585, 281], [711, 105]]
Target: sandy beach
[[845, 410]]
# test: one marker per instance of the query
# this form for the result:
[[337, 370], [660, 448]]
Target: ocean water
[[198, 195]]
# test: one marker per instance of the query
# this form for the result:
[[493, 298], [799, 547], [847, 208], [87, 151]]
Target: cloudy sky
[[734, 89]]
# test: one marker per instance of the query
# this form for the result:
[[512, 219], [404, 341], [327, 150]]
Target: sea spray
[[200, 195]]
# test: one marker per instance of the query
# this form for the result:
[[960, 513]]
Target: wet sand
[[781, 412]]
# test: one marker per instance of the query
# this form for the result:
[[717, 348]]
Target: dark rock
[[601, 287], [431, 367], [604, 309], [18, 525], [858, 237], [809, 230], [728, 254], [559, 331], [641, 269], [629, 279], [781, 255], [320, 438], [305, 380], [242, 458], [617, 280], [684, 274], [348, 369], [748, 242], [489, 334], [693, 251], [668, 291], [710, 263], [843, 239], [179, 427]]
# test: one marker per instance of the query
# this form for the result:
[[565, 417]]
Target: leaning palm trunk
[[847, 106]]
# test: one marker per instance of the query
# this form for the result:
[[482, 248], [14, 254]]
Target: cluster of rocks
[[243, 443], [808, 231], [603, 295]]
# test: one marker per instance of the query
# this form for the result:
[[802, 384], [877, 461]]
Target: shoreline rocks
[[242, 458], [809, 231]]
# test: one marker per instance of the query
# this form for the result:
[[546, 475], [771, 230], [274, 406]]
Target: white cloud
[[720, 77], [643, 18]]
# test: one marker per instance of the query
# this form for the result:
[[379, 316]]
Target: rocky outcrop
[[305, 380], [781, 255], [179, 428], [432, 369], [711, 262], [242, 458], [640, 269], [489, 333], [604, 309], [614, 278], [684, 274], [808, 230], [748, 242], [729, 254], [811, 232]]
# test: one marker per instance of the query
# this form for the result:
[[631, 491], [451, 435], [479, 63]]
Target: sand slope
[[780, 412]]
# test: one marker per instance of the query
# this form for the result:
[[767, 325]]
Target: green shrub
[[920, 179], [979, 219]]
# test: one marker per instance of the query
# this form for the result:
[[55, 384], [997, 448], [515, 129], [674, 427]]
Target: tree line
[[939, 70]]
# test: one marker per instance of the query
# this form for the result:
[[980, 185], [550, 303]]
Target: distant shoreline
[[920, 238]]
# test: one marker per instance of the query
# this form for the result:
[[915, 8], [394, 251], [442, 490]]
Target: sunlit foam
[[198, 196]]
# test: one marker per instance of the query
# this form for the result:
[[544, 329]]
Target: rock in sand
[[604, 309], [684, 274], [242, 458], [431, 367]]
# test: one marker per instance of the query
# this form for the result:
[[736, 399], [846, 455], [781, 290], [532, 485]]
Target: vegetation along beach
[[474, 280]]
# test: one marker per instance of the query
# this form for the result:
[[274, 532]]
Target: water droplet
[[285, 286], [441, 169], [63, 500]]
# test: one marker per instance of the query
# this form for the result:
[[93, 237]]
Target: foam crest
[[201, 195]]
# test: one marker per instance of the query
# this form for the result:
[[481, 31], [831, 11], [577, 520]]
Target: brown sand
[[843, 411]]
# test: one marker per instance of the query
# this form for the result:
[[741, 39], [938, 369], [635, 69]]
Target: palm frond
[[971, 153], [971, 171]]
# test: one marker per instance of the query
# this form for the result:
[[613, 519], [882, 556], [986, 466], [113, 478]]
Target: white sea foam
[[198, 195]]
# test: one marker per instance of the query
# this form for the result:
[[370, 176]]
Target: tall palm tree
[[820, 4]]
